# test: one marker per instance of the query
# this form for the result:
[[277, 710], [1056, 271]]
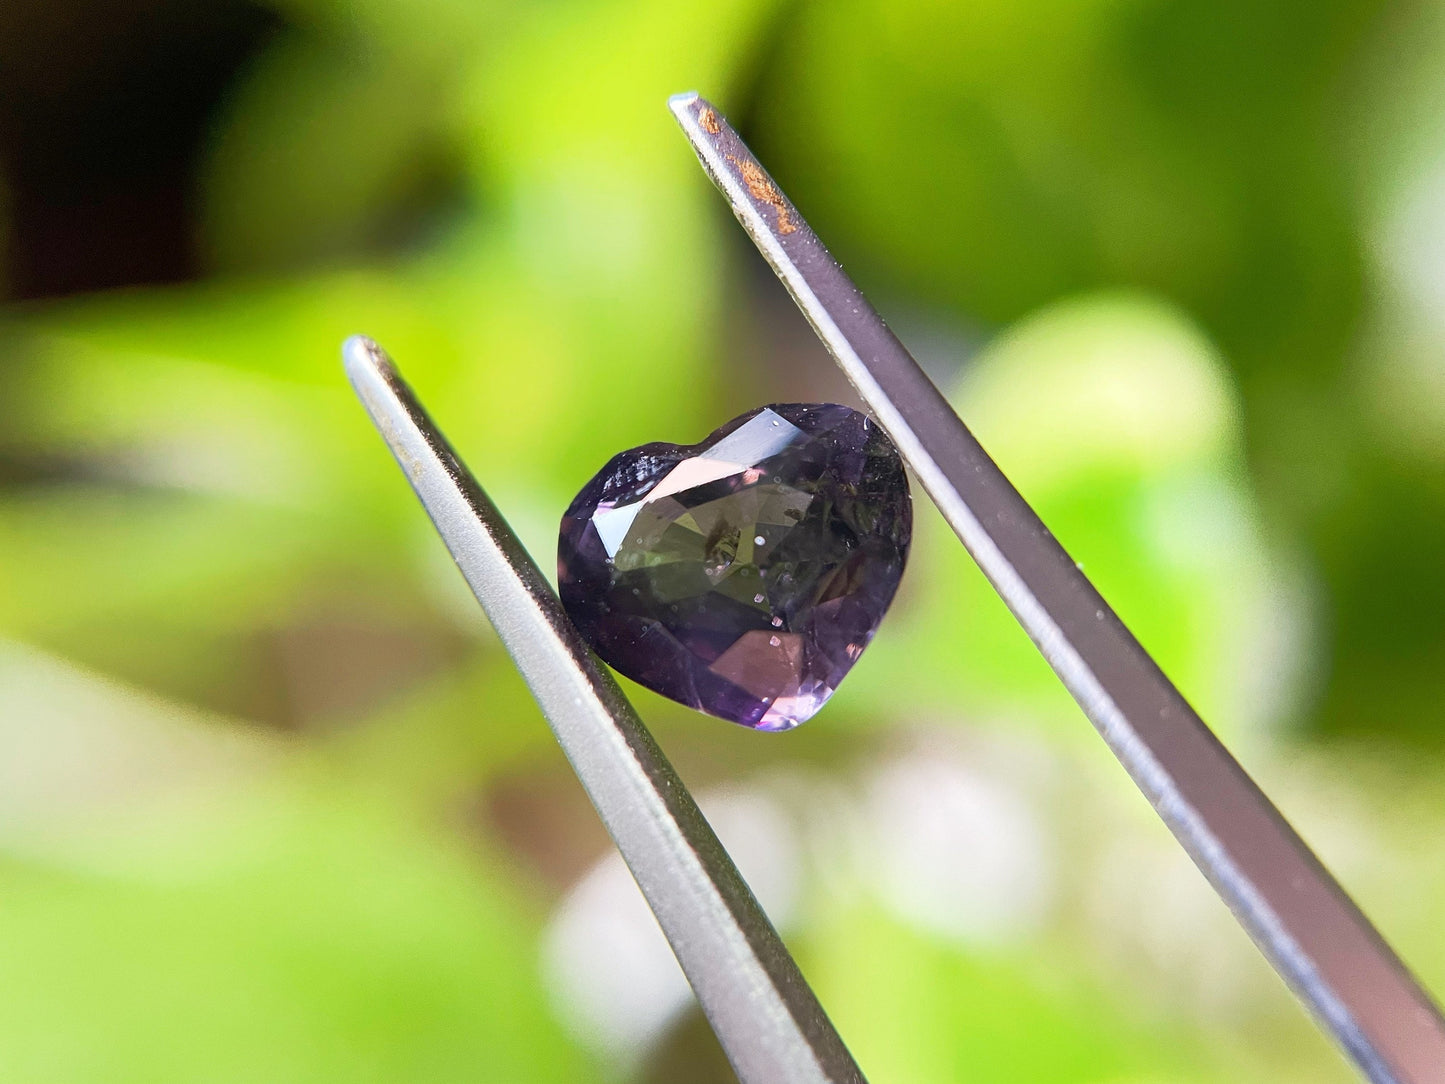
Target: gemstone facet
[[742, 576]]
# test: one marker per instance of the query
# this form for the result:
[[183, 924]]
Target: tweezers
[[766, 1017]]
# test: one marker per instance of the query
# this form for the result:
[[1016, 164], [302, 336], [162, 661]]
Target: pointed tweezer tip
[[362, 356], [373, 376], [698, 116], [359, 347], [370, 370], [681, 104]]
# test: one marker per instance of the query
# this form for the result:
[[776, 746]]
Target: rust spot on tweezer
[[762, 188], [708, 119]]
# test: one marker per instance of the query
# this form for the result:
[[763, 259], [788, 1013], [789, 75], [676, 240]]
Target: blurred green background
[[273, 804]]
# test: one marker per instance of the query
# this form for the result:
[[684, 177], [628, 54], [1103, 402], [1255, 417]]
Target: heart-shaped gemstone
[[742, 576]]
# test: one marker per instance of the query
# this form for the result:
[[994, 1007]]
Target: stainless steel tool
[[768, 1020]]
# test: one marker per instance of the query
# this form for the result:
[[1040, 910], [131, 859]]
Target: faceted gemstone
[[742, 576]]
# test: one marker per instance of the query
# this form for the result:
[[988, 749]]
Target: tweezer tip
[[698, 116], [681, 103], [362, 357]]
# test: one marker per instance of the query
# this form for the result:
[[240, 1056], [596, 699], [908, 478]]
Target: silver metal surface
[[1301, 919], [766, 1017]]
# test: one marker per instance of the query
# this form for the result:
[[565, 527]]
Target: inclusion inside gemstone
[[742, 576]]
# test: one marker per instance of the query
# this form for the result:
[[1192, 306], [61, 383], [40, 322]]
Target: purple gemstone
[[742, 576]]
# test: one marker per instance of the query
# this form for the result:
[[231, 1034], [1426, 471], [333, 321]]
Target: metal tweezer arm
[[1300, 918], [766, 1017]]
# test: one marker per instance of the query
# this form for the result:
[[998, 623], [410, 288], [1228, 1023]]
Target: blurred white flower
[[613, 976], [958, 852]]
